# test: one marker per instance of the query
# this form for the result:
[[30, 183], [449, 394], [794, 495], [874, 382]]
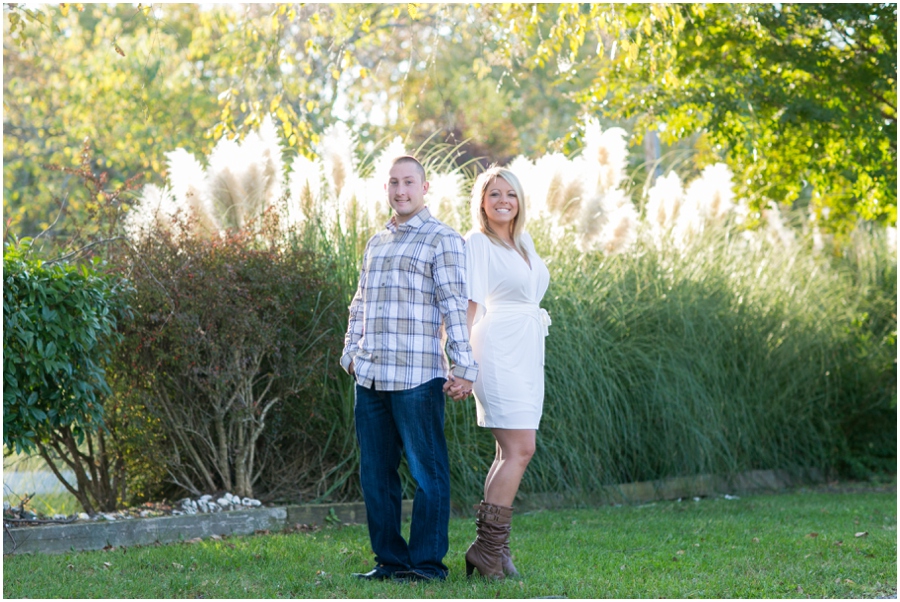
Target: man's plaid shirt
[[412, 280]]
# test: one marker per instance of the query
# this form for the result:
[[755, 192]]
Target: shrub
[[59, 332], [59, 326], [228, 347]]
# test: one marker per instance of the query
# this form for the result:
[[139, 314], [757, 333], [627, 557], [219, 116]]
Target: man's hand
[[457, 388], [350, 369]]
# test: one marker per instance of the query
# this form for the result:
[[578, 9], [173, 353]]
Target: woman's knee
[[519, 452]]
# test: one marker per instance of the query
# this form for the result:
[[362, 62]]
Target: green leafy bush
[[59, 331]]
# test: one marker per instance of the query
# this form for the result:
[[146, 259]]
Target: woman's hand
[[457, 388]]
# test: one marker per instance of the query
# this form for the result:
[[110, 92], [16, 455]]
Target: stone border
[[97, 535], [62, 538]]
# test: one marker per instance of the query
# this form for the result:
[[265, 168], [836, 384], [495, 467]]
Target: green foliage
[[59, 330]]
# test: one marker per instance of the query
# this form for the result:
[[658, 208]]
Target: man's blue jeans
[[411, 422]]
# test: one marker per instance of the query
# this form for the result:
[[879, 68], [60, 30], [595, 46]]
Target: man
[[412, 281]]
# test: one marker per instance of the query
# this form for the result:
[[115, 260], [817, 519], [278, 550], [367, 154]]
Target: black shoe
[[417, 576], [373, 575]]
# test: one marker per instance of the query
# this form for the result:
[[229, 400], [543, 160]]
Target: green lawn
[[798, 544]]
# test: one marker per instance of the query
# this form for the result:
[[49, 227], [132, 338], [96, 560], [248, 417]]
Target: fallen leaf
[[755, 540], [839, 543], [679, 552], [262, 532], [799, 589], [675, 558], [813, 534], [214, 536], [177, 566], [194, 540], [106, 565], [71, 567], [862, 534]]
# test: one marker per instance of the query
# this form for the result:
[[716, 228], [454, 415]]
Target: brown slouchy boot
[[506, 563], [485, 553]]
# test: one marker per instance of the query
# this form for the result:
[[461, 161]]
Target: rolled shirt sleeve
[[450, 287]]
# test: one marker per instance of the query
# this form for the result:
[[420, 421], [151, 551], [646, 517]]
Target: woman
[[506, 281]]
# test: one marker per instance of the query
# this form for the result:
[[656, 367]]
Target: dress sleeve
[[477, 262]]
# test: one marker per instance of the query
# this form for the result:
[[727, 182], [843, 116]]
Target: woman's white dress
[[508, 334]]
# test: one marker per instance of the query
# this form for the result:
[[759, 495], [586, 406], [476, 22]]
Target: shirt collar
[[414, 222]]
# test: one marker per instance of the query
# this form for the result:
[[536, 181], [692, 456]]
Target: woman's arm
[[470, 316]]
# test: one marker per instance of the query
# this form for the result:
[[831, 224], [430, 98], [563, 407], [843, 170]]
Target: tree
[[799, 99]]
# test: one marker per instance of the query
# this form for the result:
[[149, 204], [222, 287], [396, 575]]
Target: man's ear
[[425, 186]]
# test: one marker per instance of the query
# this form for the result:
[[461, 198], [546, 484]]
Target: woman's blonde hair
[[479, 217]]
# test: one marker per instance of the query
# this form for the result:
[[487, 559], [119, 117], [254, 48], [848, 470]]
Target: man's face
[[406, 190]]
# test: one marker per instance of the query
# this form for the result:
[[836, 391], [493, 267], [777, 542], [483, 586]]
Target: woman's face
[[501, 205]]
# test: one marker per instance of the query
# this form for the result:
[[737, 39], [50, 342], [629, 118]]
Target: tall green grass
[[729, 355]]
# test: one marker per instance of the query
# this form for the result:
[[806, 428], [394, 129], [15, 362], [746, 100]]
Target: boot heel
[[469, 568]]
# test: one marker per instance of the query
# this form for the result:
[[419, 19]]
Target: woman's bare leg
[[515, 447], [490, 474]]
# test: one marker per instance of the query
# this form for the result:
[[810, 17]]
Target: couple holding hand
[[421, 290]]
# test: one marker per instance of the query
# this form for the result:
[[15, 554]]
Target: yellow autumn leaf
[[413, 9]]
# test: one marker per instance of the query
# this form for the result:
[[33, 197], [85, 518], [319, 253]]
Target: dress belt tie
[[532, 310]]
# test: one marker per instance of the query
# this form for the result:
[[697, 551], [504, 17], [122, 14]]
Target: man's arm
[[355, 325], [450, 290]]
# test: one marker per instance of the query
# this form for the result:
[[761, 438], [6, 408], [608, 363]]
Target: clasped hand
[[457, 388]]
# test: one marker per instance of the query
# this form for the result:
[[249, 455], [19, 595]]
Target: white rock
[[177, 513], [145, 513], [205, 498], [250, 502], [214, 507], [59, 517], [202, 505], [7, 506], [223, 501], [83, 516], [109, 516]]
